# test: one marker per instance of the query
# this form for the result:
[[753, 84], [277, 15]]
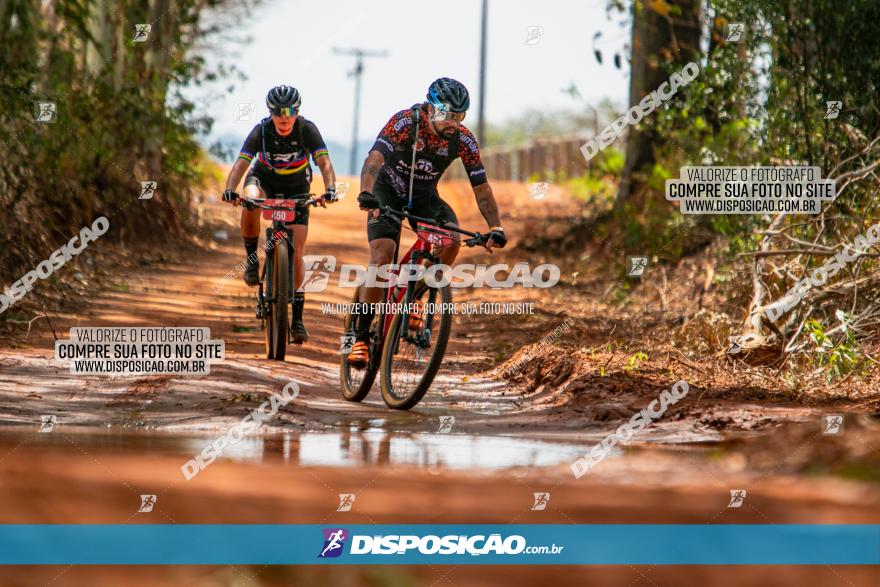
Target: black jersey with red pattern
[[432, 157]]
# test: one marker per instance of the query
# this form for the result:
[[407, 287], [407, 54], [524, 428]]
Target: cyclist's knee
[[449, 253], [250, 216], [381, 251], [300, 235], [380, 258]]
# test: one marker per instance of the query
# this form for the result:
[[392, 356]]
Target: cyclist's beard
[[448, 133]]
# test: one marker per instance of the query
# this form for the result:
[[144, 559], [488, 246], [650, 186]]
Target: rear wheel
[[277, 329], [357, 383], [410, 364]]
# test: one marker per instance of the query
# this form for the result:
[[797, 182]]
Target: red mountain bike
[[406, 345]]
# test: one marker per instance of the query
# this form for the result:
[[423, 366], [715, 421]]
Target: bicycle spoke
[[356, 383], [409, 367], [412, 367]]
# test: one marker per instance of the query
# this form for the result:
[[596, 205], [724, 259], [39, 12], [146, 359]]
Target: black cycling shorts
[[275, 187], [387, 226]]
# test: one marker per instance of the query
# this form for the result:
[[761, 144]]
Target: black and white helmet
[[283, 97], [449, 91]]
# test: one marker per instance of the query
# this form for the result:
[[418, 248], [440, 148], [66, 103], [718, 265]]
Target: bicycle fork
[[422, 339]]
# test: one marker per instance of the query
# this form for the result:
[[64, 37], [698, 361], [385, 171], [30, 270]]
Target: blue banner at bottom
[[523, 544]]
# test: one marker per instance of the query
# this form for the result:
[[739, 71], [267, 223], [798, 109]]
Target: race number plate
[[434, 235], [280, 215]]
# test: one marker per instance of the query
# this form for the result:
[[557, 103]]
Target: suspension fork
[[268, 273], [291, 263]]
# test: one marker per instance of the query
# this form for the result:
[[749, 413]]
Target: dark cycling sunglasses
[[284, 111]]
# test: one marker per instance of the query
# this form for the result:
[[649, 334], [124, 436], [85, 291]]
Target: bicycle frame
[[420, 250], [277, 233]]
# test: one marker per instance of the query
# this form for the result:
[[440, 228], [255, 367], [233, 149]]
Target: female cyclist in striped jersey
[[279, 147]]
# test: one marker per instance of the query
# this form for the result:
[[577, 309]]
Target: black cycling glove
[[367, 201], [330, 195], [497, 235], [230, 196]]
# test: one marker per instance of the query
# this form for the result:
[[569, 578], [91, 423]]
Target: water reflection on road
[[351, 446]]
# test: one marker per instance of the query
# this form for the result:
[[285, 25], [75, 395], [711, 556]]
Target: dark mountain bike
[[275, 290], [407, 345]]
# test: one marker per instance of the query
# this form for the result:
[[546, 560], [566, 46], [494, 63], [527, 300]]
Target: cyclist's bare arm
[[239, 168], [486, 203], [375, 161], [327, 173], [370, 172], [488, 208]]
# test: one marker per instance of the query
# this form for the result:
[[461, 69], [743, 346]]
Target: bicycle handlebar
[[477, 239], [302, 200]]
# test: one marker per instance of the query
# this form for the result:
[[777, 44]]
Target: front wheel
[[411, 357], [357, 383], [277, 328]]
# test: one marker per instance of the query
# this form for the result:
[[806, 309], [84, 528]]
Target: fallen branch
[[816, 252]]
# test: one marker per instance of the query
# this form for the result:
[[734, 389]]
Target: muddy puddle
[[373, 446]]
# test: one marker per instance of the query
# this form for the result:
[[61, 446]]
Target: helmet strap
[[263, 136]]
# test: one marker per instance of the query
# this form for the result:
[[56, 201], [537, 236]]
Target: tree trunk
[[661, 38], [157, 61], [99, 49]]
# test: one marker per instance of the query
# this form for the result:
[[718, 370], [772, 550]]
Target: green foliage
[[599, 185], [632, 364], [120, 120], [763, 102], [838, 358]]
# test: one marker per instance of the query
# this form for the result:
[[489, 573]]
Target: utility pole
[[359, 54], [481, 126]]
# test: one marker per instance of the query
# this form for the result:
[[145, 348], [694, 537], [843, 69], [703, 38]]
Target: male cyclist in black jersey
[[281, 144], [385, 182]]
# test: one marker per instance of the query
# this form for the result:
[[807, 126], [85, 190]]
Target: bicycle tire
[[264, 321], [391, 393], [352, 390], [281, 292]]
